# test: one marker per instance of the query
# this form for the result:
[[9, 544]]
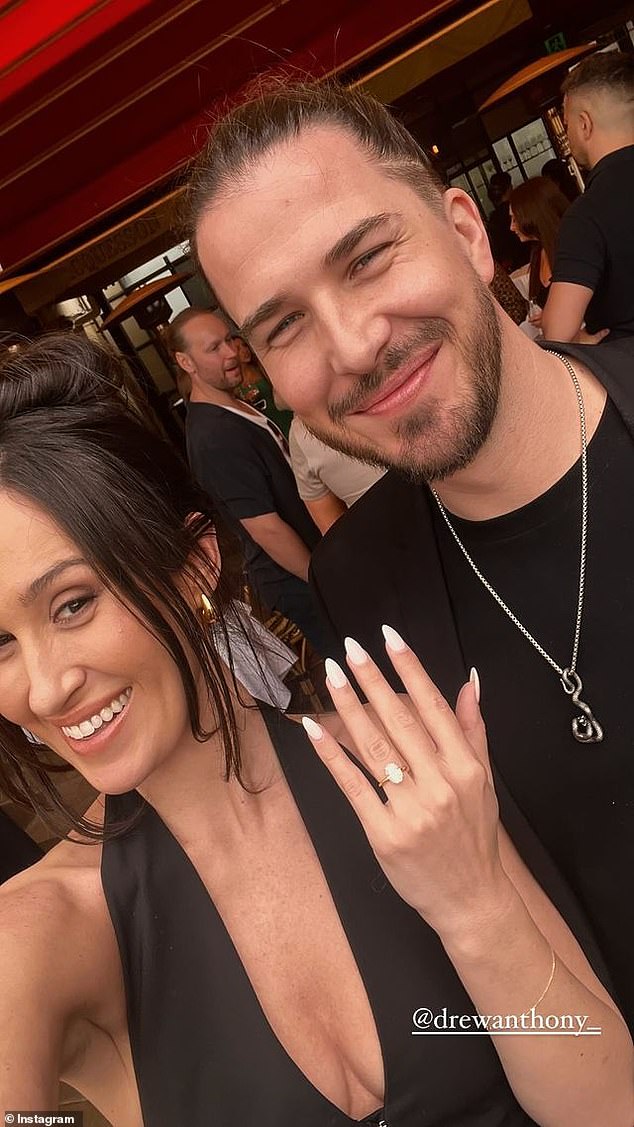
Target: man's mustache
[[430, 331]]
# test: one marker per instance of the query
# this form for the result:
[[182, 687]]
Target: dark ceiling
[[101, 103]]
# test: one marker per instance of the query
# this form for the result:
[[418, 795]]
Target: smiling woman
[[246, 928], [68, 440]]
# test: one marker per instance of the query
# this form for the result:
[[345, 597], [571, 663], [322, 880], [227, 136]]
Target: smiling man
[[362, 286]]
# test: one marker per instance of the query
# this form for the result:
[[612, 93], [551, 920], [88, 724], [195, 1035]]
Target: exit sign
[[555, 43]]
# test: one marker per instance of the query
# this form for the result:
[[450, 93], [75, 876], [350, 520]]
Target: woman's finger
[[371, 741], [359, 791], [434, 711], [470, 719]]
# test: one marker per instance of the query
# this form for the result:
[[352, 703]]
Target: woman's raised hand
[[436, 837]]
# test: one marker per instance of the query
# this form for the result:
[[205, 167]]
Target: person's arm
[[565, 310], [39, 994], [323, 505], [580, 262], [325, 510], [440, 844], [280, 542]]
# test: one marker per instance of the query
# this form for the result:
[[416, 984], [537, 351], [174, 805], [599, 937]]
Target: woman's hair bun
[[61, 370]]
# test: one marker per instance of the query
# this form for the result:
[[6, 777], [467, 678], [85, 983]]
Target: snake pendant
[[585, 728]]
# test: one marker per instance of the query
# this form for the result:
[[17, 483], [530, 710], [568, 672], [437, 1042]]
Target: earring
[[206, 610]]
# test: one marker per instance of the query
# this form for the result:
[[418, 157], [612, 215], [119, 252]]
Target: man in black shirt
[[366, 299], [594, 264], [240, 457]]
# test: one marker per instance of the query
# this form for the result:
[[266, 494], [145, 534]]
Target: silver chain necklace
[[585, 728]]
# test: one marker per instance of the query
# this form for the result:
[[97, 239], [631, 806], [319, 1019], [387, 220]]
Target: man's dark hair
[[499, 185], [611, 72], [71, 445], [279, 113]]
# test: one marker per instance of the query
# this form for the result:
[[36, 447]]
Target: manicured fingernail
[[475, 681], [393, 639], [335, 674], [355, 652], [314, 730]]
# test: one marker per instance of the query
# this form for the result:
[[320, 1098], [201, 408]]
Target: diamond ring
[[394, 773]]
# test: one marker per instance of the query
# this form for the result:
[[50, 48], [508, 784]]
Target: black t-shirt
[[595, 247], [240, 464], [578, 798]]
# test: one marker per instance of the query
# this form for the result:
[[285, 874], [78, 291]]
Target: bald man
[[594, 264]]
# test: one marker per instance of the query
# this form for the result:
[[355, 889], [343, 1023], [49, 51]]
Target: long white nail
[[393, 639], [335, 674], [355, 652], [315, 730], [474, 677]]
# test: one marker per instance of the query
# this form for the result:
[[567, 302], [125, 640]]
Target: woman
[[245, 930], [536, 208]]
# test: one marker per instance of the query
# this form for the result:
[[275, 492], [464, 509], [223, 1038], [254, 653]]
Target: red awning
[[100, 103]]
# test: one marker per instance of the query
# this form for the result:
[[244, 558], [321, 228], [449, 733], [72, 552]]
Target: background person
[[241, 458], [328, 481], [216, 932], [536, 210], [506, 248], [594, 264]]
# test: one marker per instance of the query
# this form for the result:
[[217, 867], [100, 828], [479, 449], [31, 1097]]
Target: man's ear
[[185, 362], [464, 217], [587, 124]]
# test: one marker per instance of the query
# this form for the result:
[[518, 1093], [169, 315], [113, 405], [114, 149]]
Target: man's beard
[[437, 441]]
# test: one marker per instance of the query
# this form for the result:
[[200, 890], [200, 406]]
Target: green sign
[[555, 43]]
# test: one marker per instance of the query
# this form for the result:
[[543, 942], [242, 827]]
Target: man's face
[[368, 310], [574, 130], [211, 357]]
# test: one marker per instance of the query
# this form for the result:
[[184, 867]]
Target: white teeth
[[88, 727]]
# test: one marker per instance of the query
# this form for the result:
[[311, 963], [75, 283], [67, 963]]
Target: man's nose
[[354, 336]]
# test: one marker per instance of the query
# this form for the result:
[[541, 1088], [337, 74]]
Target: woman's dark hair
[[73, 444], [538, 207]]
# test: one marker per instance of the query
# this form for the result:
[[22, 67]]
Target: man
[[594, 264], [322, 229], [240, 457], [328, 481]]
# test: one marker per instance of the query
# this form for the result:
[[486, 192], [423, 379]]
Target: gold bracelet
[[546, 988]]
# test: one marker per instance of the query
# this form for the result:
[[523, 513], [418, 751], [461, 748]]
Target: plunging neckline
[[271, 717]]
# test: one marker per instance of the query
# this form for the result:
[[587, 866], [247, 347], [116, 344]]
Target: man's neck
[[535, 437], [206, 394], [609, 145]]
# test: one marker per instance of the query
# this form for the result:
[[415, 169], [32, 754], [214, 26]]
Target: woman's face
[[516, 229], [77, 669]]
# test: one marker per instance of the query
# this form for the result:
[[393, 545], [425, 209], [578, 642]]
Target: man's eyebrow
[[263, 312], [348, 242], [43, 581]]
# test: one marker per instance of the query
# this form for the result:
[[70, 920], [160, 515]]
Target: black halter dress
[[204, 1053]]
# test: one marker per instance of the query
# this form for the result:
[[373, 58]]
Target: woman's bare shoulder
[[54, 907]]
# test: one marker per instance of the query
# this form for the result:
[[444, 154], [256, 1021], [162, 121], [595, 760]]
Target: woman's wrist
[[478, 931]]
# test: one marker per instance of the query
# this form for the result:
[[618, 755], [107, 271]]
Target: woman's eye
[[282, 326], [74, 607]]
